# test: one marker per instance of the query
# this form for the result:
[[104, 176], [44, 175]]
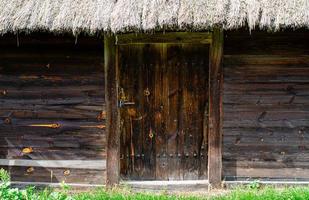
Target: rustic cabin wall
[[52, 109], [266, 101]]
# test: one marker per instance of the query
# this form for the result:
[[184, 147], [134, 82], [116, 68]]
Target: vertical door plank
[[148, 94], [173, 64], [161, 113], [144, 91], [215, 110], [112, 110], [138, 121], [193, 130], [127, 88], [181, 115], [203, 112], [187, 103]]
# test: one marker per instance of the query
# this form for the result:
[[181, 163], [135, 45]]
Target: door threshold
[[173, 182], [169, 186]]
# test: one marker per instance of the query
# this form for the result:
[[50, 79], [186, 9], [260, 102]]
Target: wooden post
[[112, 111], [215, 110]]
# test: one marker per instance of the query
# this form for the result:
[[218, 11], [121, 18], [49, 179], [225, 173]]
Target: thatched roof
[[147, 15]]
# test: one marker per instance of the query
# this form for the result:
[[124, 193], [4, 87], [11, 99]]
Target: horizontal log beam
[[72, 164], [54, 185], [170, 38]]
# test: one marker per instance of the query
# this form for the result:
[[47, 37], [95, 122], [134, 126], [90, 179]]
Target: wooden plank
[[73, 164], [112, 110], [161, 113], [283, 173], [56, 175], [288, 42], [267, 59], [215, 110], [146, 96], [174, 52], [24, 184], [167, 38]]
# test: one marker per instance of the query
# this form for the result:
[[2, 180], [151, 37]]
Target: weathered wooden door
[[164, 104]]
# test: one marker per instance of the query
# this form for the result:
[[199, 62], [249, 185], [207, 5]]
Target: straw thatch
[[146, 15]]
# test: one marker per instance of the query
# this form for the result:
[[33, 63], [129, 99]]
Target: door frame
[[215, 112]]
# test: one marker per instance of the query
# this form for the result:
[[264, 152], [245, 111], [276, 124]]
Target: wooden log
[[72, 164], [112, 110], [167, 38], [56, 175], [215, 110]]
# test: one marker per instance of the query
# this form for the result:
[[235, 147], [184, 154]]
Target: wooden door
[[164, 104]]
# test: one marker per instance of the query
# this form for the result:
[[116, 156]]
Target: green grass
[[244, 193], [253, 191], [268, 193]]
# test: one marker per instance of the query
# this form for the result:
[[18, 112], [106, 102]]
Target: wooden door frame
[[111, 70]]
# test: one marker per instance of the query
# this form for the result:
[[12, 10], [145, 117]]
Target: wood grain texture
[[266, 105], [166, 38], [52, 102], [112, 110], [71, 164], [215, 110], [57, 175], [163, 134]]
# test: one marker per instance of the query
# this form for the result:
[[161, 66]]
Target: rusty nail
[[30, 170], [7, 121], [146, 92], [55, 125], [67, 172], [4, 92]]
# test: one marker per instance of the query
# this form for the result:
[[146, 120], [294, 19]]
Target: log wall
[[266, 101], [52, 109], [52, 114]]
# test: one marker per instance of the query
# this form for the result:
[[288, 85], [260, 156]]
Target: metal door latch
[[125, 103], [124, 100]]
